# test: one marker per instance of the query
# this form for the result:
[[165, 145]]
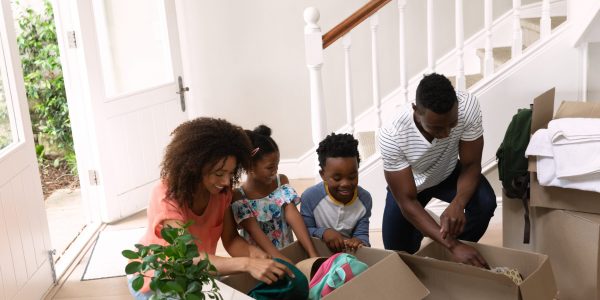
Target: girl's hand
[[334, 240], [267, 270], [353, 244]]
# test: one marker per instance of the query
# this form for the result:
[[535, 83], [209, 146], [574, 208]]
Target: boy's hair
[[196, 147], [338, 145], [435, 92], [262, 143]]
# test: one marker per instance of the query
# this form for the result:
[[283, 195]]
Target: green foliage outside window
[[44, 84]]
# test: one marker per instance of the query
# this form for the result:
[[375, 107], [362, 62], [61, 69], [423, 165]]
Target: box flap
[[537, 287], [387, 279], [535, 268], [562, 198], [543, 109], [578, 109], [447, 280]]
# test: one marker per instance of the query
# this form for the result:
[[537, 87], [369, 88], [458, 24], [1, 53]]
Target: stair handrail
[[352, 21]]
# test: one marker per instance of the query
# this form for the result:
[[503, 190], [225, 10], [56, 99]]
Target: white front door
[[25, 263], [133, 66]]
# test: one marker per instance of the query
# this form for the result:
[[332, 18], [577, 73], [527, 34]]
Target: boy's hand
[[334, 240], [353, 244]]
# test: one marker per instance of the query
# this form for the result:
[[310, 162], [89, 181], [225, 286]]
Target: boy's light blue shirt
[[320, 212]]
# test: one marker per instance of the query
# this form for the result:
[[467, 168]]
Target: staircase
[[515, 80]]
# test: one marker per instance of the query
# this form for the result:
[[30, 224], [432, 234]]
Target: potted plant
[[175, 274]]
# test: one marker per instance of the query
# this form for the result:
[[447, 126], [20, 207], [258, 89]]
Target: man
[[421, 150]]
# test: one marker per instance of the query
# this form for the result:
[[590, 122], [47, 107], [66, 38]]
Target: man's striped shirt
[[402, 144]]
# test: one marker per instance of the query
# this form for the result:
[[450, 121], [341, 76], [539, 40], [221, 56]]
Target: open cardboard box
[[556, 197], [572, 241], [449, 280], [387, 277]]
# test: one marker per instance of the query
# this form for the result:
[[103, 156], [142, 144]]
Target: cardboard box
[[513, 224], [387, 277], [450, 280], [556, 197], [572, 241]]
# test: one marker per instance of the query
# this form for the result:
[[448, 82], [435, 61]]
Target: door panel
[[132, 60], [25, 268]]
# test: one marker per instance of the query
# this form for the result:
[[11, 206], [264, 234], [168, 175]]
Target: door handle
[[181, 92]]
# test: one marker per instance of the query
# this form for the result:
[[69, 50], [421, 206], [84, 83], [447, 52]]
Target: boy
[[337, 210]]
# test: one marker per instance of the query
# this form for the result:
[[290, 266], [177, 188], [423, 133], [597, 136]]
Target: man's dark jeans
[[399, 234]]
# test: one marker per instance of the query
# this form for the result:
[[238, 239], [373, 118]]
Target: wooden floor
[[116, 288]]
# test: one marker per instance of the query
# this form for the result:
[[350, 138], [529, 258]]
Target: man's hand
[[334, 240], [353, 244], [463, 253], [452, 220]]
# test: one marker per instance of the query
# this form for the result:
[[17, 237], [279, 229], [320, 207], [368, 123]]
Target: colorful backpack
[[333, 273]]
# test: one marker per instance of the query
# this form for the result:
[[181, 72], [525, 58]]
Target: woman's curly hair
[[196, 146]]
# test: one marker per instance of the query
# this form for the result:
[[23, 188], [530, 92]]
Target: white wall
[[593, 83], [245, 59]]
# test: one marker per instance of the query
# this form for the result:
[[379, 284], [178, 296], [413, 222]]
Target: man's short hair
[[435, 92]]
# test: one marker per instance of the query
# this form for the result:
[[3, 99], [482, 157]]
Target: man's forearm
[[468, 180], [418, 217]]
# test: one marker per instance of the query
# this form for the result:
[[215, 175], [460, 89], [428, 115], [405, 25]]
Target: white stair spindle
[[430, 38], [347, 42], [402, 48], [460, 41], [314, 61], [488, 60], [517, 45], [545, 20], [375, 68]]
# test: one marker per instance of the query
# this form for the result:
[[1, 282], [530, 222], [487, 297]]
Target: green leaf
[[174, 286], [133, 267], [169, 234], [137, 283], [194, 286], [194, 297], [129, 254]]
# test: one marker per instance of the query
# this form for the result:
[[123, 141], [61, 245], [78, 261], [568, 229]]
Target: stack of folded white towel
[[568, 153]]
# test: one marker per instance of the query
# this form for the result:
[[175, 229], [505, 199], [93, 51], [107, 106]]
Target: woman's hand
[[256, 252], [267, 270]]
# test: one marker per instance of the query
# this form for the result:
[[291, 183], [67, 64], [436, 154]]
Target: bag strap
[[522, 183]]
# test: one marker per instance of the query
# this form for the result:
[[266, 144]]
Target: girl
[[261, 206], [202, 161]]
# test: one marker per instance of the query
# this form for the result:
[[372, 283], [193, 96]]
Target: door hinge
[[51, 254], [72, 39], [93, 175]]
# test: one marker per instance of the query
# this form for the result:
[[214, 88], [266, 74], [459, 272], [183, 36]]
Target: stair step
[[366, 144], [501, 55], [470, 79], [531, 28]]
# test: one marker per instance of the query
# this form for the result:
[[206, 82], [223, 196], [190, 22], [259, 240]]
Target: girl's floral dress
[[269, 213]]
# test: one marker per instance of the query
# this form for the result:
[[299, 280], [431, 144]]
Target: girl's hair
[[195, 148], [337, 145], [262, 143]]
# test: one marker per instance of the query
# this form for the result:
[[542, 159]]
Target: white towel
[[576, 146], [541, 146]]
